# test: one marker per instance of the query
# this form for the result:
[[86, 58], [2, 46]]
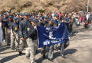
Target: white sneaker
[[4, 41]]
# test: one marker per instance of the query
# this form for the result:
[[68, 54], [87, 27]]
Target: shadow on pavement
[[57, 54], [8, 58], [68, 51], [3, 48], [40, 60]]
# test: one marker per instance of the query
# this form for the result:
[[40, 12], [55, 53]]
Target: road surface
[[79, 51]]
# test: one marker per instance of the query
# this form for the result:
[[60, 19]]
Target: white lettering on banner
[[46, 42], [55, 41]]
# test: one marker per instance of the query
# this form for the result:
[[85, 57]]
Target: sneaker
[[20, 53]]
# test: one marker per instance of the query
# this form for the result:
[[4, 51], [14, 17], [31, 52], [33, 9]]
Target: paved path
[[79, 51]]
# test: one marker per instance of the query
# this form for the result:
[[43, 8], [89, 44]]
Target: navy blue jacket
[[27, 30]]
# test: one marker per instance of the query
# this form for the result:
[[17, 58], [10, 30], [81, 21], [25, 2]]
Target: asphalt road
[[79, 51]]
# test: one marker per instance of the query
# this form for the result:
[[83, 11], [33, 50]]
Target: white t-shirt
[[87, 16]]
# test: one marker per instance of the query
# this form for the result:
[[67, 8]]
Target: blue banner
[[52, 35]]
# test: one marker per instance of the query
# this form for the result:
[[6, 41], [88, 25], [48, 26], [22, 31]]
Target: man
[[14, 34], [5, 28], [87, 16], [28, 33], [1, 32]]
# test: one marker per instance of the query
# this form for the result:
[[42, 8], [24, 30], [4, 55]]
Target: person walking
[[1, 32]]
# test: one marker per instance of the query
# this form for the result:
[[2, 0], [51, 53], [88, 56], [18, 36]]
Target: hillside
[[50, 5]]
